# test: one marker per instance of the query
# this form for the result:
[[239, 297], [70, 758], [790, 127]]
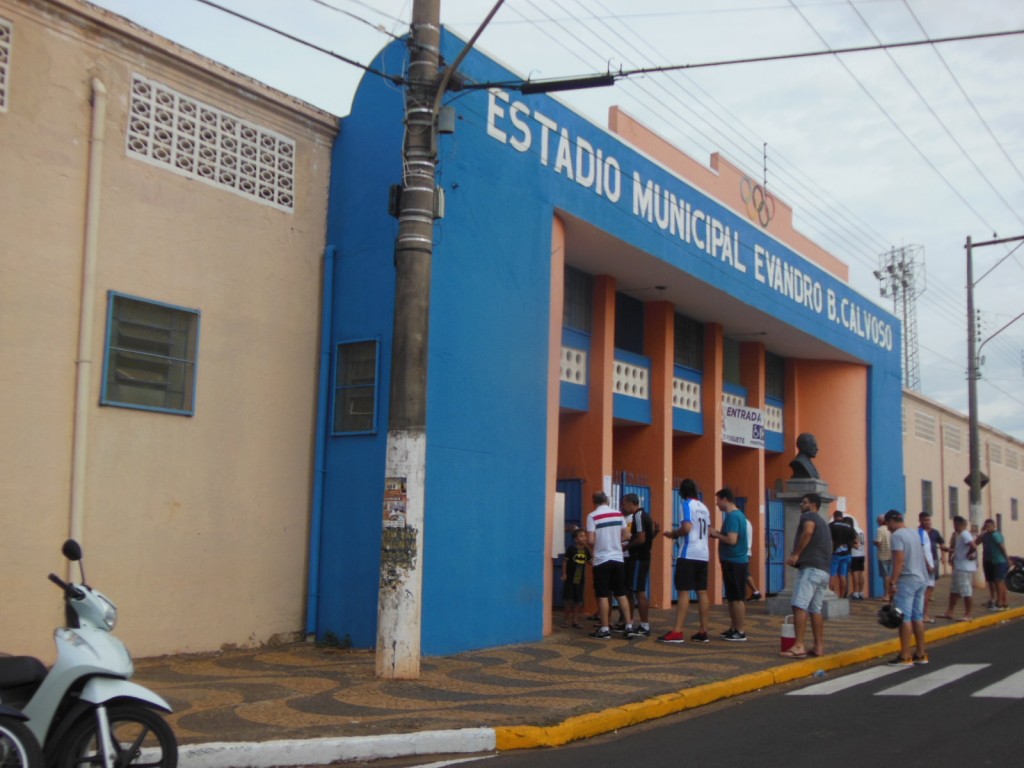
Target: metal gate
[[775, 547]]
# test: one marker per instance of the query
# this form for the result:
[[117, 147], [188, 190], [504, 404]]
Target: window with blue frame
[[150, 356], [775, 376], [629, 324], [578, 305], [689, 343], [355, 388]]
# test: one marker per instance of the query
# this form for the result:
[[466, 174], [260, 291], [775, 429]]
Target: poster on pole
[[743, 426]]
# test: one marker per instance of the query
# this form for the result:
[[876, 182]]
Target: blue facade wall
[[511, 165]]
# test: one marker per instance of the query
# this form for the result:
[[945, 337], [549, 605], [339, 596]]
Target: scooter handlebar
[[70, 590]]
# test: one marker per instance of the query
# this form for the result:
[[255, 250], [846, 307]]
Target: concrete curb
[[594, 724], [268, 754], [272, 754]]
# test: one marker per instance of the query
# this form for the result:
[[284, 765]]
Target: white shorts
[[961, 584]]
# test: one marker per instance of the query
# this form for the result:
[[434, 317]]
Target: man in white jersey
[[607, 531], [964, 554], [691, 563]]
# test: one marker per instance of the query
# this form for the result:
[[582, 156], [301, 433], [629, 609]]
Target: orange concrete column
[[701, 458], [659, 346], [585, 439], [557, 299], [648, 449], [751, 475]]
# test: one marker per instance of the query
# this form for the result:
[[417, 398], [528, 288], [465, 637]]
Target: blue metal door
[[775, 547]]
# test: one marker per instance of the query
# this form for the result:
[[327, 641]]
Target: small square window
[[150, 357], [355, 388]]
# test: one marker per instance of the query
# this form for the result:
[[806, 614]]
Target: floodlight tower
[[901, 275]]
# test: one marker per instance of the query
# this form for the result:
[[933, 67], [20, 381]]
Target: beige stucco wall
[[935, 448], [197, 527]]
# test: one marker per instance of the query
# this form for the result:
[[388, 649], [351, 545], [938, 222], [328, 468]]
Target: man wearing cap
[[906, 588], [812, 554]]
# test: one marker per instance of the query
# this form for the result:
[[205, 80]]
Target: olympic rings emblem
[[760, 204]]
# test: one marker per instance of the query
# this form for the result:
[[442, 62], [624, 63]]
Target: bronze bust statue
[[807, 449]]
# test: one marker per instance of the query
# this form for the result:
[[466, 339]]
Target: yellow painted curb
[[608, 720]]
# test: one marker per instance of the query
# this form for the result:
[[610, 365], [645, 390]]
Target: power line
[[393, 78], [967, 98]]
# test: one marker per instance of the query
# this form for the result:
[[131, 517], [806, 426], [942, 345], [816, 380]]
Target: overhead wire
[[931, 110]]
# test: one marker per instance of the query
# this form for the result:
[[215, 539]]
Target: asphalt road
[[965, 708]]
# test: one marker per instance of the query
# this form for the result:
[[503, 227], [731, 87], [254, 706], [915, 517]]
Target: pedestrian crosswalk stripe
[[847, 681], [920, 685], [1011, 687]]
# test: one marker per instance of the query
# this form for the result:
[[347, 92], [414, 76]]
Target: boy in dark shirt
[[574, 577]]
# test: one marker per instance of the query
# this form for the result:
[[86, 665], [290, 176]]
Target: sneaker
[[675, 638], [601, 634], [642, 630], [727, 632], [990, 604], [756, 596], [920, 660], [619, 628], [629, 633], [899, 661], [700, 637], [736, 636]]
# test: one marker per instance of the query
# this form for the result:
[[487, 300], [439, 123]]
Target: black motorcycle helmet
[[890, 616]]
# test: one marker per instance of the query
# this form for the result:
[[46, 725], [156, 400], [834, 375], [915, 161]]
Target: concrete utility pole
[[974, 373], [401, 557]]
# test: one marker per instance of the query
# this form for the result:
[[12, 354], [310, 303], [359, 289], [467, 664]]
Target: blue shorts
[[809, 589], [840, 565], [910, 598]]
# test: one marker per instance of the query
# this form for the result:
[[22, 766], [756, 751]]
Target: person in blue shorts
[[843, 540], [907, 586]]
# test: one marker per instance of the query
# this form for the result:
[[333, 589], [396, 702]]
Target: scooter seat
[[16, 671]]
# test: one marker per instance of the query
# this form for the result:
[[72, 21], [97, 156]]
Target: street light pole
[[974, 475], [973, 374]]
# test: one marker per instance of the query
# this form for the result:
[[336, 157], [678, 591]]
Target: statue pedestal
[[794, 490]]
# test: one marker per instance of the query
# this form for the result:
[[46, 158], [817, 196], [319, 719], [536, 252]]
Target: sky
[[914, 147]]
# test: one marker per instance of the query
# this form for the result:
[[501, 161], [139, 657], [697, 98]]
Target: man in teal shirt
[[734, 561], [995, 563]]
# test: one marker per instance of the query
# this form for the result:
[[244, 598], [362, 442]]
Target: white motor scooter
[[84, 711]]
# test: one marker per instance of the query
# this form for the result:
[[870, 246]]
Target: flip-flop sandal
[[944, 616], [815, 655], [791, 655]]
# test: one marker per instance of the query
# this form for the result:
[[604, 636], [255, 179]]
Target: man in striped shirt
[[607, 531]]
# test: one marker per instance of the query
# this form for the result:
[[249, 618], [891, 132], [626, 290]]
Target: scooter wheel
[[141, 738], [18, 747], [1015, 581]]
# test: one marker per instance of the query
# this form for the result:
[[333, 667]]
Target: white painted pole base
[[399, 607]]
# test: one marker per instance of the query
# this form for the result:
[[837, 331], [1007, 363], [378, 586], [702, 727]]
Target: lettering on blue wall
[[575, 158]]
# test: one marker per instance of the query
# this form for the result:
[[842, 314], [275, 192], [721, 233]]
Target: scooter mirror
[[72, 550]]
